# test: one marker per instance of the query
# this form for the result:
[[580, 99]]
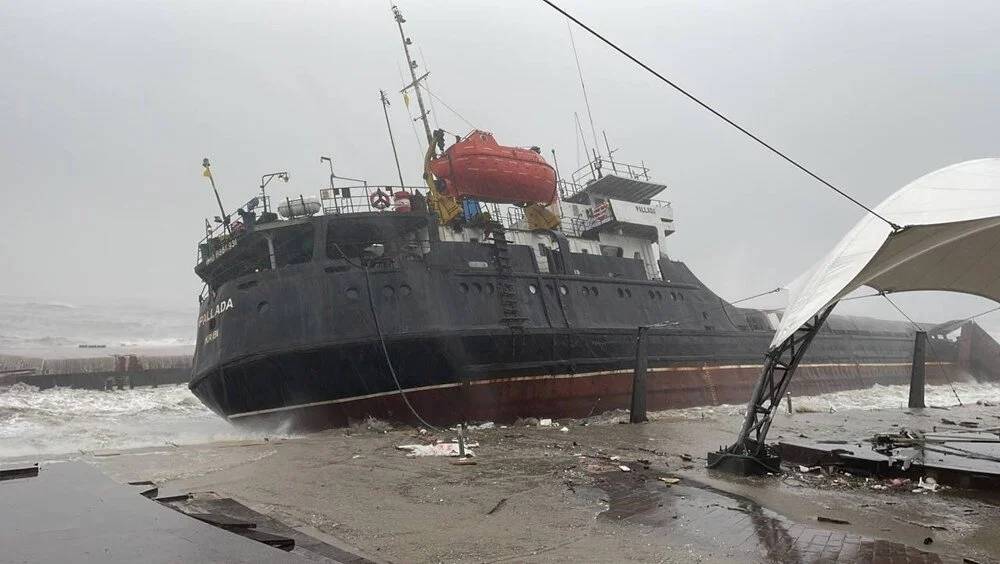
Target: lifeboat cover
[[477, 167]]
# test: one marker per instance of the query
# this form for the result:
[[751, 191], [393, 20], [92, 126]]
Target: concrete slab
[[71, 512]]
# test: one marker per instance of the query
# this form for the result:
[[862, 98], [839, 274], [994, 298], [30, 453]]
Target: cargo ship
[[496, 290]]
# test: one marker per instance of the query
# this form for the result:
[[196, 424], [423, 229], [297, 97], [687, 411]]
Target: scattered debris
[[686, 458], [438, 449], [834, 520], [564, 429], [483, 426], [930, 484], [669, 480], [498, 506], [899, 483], [624, 468], [927, 526], [544, 422], [377, 425]]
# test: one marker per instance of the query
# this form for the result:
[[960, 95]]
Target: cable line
[[719, 115], [929, 343], [450, 109]]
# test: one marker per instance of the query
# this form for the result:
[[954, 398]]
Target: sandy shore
[[541, 494]]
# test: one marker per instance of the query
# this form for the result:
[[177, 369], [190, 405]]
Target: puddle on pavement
[[736, 527]]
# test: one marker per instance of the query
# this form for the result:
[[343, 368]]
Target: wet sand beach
[[542, 494]]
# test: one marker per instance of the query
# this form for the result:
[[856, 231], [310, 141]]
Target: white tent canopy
[[950, 241]]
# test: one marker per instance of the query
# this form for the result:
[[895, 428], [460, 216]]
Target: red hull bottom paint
[[580, 395]]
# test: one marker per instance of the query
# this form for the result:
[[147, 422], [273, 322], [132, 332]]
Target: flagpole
[[208, 173]]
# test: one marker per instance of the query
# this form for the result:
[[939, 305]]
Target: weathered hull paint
[[503, 400]]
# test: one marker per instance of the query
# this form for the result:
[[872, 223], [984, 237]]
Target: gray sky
[[108, 107]]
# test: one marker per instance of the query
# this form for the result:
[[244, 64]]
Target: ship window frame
[[283, 239], [250, 256]]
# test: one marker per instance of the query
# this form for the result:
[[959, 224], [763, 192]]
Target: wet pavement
[[740, 529], [545, 494]]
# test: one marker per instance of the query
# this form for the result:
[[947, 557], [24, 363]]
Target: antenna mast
[[413, 74], [395, 155], [583, 87]]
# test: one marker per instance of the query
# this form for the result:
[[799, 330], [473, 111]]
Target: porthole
[[621, 293], [586, 291], [352, 293], [593, 290], [563, 289], [551, 289], [262, 307], [681, 296], [628, 292], [478, 287], [532, 288], [405, 290], [490, 288], [463, 287], [673, 296], [652, 295], [388, 291]]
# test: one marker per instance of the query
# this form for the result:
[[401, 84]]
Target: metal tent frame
[[749, 454]]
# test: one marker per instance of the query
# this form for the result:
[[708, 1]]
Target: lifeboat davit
[[477, 167]]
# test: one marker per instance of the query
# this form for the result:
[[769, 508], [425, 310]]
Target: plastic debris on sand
[[438, 449]]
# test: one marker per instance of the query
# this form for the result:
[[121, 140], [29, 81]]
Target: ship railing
[[221, 235], [600, 166], [363, 198]]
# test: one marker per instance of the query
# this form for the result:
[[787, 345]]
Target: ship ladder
[[506, 288]]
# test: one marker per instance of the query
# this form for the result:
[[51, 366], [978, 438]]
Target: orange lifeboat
[[477, 167]]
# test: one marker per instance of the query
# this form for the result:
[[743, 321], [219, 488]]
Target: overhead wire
[[722, 307], [450, 109], [425, 80], [583, 86], [719, 114], [917, 327], [413, 122]]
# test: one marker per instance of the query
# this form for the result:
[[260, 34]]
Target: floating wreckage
[[940, 232]]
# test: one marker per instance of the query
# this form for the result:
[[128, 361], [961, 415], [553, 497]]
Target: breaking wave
[[876, 397], [63, 420]]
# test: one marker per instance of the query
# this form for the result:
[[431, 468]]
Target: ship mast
[[412, 65], [443, 205]]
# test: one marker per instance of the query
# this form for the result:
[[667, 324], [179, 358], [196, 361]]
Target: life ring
[[379, 200]]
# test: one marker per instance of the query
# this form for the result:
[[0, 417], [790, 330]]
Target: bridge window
[[612, 251], [293, 245]]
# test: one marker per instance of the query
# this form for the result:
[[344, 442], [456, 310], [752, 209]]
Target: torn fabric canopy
[[950, 241]]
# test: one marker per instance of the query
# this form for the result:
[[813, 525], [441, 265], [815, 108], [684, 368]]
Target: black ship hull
[[448, 378], [327, 342]]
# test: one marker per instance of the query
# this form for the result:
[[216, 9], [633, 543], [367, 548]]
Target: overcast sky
[[107, 109]]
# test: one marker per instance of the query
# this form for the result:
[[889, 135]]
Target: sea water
[[63, 420], [875, 397]]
